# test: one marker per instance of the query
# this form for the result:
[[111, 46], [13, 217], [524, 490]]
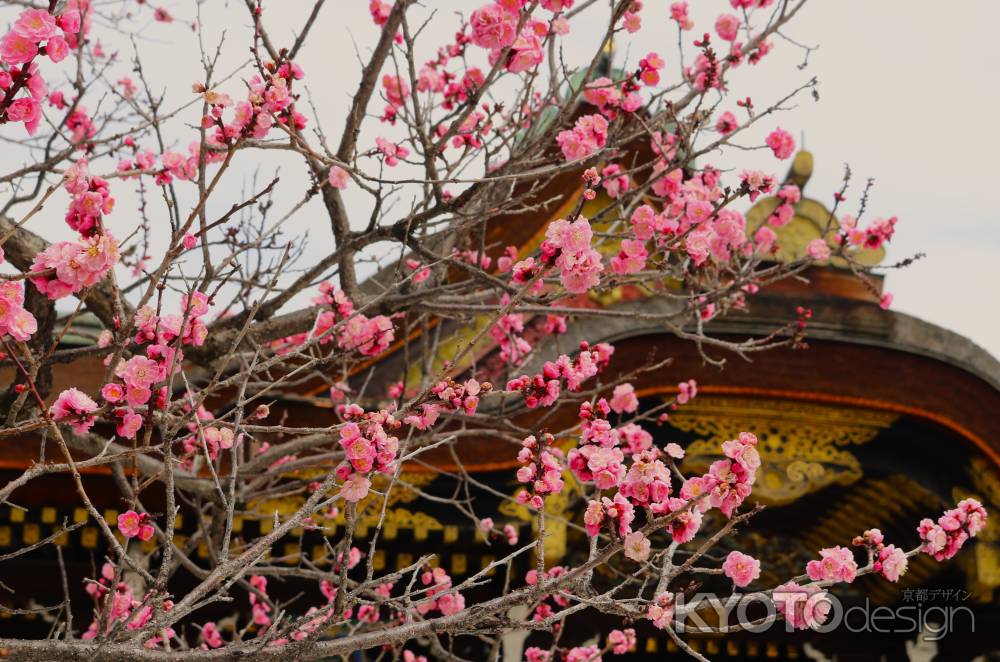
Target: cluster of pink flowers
[[433, 79], [617, 512], [879, 232], [756, 182], [91, 199], [173, 164], [818, 249], [741, 568], [623, 399], [526, 51], [750, 4], [718, 235], [887, 560], [395, 89], [706, 71], [621, 641], [690, 213], [589, 134], [33, 26], [661, 611], [75, 408], [728, 482], [686, 521], [452, 396], [543, 389], [781, 143], [135, 525], [495, 28], [727, 123], [391, 152], [602, 92], [631, 258], [802, 606], [836, 564], [269, 100], [163, 330], [727, 27], [176, 165], [420, 271], [582, 654], [509, 531], [567, 247], [439, 593], [140, 375], [69, 267], [15, 321], [369, 336], [338, 178], [649, 68], [636, 440], [80, 125], [647, 483], [679, 13], [258, 603], [211, 637], [645, 222], [473, 257], [610, 98], [614, 181], [561, 599], [18, 50], [214, 438], [687, 391], [632, 21], [379, 11], [943, 539], [509, 334], [891, 562], [541, 468], [788, 196], [368, 447], [116, 604], [598, 459]]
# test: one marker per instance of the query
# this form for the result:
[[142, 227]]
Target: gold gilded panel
[[555, 520], [803, 446], [983, 567]]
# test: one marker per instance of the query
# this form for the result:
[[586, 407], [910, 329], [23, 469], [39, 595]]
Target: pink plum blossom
[[624, 399], [836, 564], [741, 568], [75, 408], [637, 546], [781, 143], [802, 606], [355, 488]]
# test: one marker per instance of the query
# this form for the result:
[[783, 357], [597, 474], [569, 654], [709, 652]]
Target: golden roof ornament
[[812, 220]]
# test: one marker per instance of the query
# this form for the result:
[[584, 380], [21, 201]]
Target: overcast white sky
[[908, 96]]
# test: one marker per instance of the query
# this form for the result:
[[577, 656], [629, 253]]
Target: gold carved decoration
[[812, 220], [556, 517], [803, 446], [982, 569]]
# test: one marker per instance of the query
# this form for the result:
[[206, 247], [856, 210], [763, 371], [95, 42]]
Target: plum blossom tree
[[212, 308]]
